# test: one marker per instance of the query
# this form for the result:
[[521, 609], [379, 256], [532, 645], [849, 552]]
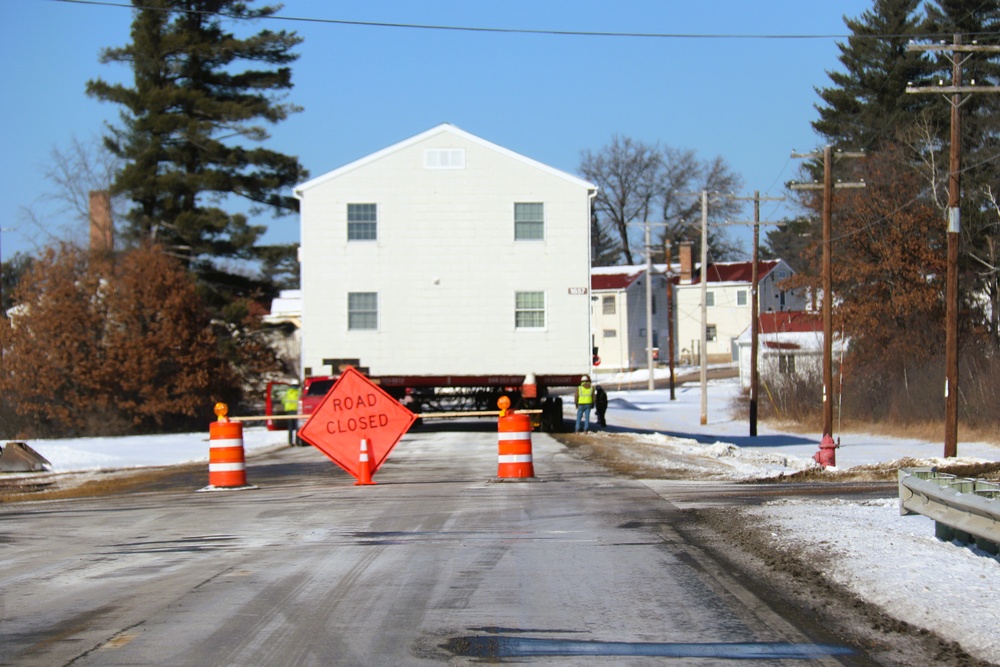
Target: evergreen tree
[[604, 248], [789, 241], [980, 149], [199, 94], [10, 275], [868, 102]]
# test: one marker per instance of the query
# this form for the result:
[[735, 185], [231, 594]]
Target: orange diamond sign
[[356, 409]]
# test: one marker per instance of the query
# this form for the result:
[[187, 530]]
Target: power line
[[516, 31]]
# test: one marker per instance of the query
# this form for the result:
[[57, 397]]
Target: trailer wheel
[[552, 417]]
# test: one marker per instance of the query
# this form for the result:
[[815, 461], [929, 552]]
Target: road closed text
[[343, 423]]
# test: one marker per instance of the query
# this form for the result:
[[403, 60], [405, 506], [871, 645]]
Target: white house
[[446, 254], [728, 300], [618, 315], [283, 326], [788, 343]]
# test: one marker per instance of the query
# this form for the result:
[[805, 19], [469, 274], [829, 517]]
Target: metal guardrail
[[966, 510]]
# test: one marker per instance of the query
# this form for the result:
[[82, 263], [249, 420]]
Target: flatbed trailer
[[461, 394]]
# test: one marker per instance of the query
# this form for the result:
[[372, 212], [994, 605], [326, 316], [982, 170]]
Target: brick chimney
[[102, 227], [687, 265]]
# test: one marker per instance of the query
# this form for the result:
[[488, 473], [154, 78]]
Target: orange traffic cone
[[364, 466]]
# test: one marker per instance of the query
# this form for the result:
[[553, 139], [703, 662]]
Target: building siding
[[445, 264]]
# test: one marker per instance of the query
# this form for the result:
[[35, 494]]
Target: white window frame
[[355, 227], [528, 310], [527, 227], [711, 333], [786, 364], [742, 297], [444, 158], [609, 304], [354, 312], [709, 298]]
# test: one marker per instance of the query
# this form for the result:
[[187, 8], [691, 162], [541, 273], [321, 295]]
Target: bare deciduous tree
[[640, 182], [63, 214]]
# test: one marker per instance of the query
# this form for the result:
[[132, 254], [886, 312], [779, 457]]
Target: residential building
[[618, 316], [446, 254], [789, 343], [727, 303]]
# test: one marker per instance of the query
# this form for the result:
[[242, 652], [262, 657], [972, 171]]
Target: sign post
[[356, 409]]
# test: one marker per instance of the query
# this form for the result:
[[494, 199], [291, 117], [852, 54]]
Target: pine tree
[[868, 102], [980, 150], [200, 93], [604, 248]]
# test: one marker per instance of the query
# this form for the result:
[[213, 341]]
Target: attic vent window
[[444, 158]]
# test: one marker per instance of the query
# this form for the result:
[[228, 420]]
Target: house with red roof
[[618, 316], [788, 343], [726, 287]]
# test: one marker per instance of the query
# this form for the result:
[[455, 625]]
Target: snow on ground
[[884, 558], [890, 560], [87, 454]]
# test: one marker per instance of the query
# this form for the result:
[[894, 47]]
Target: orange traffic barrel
[[226, 465], [514, 434]]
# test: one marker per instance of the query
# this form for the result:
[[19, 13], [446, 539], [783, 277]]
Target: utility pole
[[956, 89], [3, 313], [649, 300], [828, 187], [649, 309], [755, 305], [668, 253], [704, 307]]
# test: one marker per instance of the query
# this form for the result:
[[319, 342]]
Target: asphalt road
[[438, 563]]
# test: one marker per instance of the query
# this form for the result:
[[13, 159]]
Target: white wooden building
[[446, 254], [618, 315], [789, 343], [728, 298]]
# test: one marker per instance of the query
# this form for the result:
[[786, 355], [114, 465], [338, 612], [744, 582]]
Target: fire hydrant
[[827, 454]]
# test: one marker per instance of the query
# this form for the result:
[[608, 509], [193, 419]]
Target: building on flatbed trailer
[[446, 258]]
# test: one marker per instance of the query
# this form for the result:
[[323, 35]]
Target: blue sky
[[548, 97]]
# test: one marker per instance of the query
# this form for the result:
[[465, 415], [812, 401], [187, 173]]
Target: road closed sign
[[356, 409]]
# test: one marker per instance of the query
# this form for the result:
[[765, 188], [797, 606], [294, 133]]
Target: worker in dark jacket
[[601, 405]]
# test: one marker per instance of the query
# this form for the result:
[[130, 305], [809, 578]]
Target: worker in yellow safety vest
[[290, 403], [584, 402]]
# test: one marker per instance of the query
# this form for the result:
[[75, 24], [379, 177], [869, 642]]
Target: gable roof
[[790, 321], [614, 277], [443, 128], [736, 272]]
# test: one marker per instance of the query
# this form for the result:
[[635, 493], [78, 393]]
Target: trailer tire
[[552, 417]]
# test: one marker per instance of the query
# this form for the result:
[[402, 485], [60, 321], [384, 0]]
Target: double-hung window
[[529, 221], [362, 222], [529, 310], [608, 304], [362, 311]]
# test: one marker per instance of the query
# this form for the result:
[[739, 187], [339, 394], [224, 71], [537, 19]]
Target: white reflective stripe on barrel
[[515, 458], [515, 435], [226, 442], [226, 467]]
